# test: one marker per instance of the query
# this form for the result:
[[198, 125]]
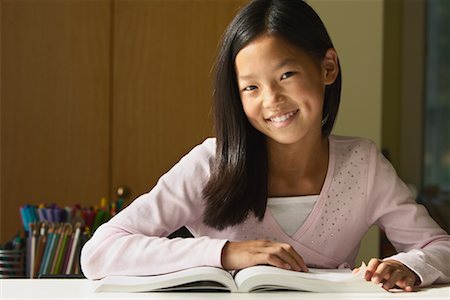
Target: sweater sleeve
[[134, 241], [421, 244]]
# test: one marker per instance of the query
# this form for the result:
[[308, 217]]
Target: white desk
[[84, 289]]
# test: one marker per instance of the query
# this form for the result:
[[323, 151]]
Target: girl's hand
[[239, 255], [391, 273]]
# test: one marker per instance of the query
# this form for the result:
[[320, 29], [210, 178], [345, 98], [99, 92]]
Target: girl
[[274, 187]]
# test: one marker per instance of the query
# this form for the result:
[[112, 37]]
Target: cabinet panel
[[55, 104], [163, 57]]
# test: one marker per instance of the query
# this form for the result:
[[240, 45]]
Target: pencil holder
[[12, 263]]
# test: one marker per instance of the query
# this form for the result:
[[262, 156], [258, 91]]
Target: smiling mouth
[[283, 118]]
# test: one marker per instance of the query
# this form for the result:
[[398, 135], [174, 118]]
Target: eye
[[249, 88], [287, 75]]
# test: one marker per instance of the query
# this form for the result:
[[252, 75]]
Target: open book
[[252, 279]]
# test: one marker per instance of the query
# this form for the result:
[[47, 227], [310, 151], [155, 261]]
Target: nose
[[272, 96]]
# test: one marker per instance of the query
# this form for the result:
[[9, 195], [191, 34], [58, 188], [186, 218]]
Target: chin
[[284, 140]]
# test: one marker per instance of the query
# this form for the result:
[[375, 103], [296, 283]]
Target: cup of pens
[[12, 263], [12, 258]]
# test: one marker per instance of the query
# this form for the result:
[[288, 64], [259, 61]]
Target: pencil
[[42, 239], [67, 230], [76, 240], [47, 250], [54, 250]]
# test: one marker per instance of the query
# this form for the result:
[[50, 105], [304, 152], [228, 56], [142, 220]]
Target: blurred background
[[105, 95]]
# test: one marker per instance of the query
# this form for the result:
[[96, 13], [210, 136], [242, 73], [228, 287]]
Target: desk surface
[[84, 289]]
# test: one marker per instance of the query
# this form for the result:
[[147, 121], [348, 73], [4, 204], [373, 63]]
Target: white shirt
[[282, 208]]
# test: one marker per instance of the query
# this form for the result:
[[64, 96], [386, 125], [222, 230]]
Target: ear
[[330, 66]]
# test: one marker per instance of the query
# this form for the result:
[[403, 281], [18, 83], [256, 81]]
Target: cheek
[[251, 109], [314, 95]]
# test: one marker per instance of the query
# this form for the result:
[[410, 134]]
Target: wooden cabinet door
[[97, 94], [55, 104], [163, 57]]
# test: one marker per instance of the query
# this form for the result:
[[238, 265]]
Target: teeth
[[282, 118]]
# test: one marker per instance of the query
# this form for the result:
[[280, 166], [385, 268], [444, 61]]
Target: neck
[[297, 169]]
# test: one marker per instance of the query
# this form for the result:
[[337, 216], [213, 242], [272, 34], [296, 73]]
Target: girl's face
[[282, 88]]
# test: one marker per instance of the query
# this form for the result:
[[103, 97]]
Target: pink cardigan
[[361, 189]]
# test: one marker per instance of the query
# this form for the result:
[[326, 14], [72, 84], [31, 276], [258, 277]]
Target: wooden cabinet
[[55, 103], [97, 94], [163, 57]]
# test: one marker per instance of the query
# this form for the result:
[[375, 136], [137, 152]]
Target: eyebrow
[[283, 63]]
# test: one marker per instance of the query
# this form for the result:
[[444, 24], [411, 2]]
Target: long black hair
[[238, 182]]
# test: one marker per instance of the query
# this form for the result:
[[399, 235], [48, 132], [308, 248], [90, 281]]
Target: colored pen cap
[[103, 202]]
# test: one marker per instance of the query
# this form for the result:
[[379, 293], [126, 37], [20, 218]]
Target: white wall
[[356, 28]]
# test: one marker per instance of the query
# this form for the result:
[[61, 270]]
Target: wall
[[356, 28], [357, 31]]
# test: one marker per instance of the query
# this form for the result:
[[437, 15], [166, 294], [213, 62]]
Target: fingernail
[[287, 266]]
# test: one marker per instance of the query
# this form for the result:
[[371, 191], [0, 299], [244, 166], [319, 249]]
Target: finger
[[407, 283], [273, 260], [393, 277], [371, 268], [382, 273], [284, 255], [355, 271], [408, 288], [297, 257]]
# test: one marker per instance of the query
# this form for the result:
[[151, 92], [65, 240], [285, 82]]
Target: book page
[[259, 278], [201, 278]]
